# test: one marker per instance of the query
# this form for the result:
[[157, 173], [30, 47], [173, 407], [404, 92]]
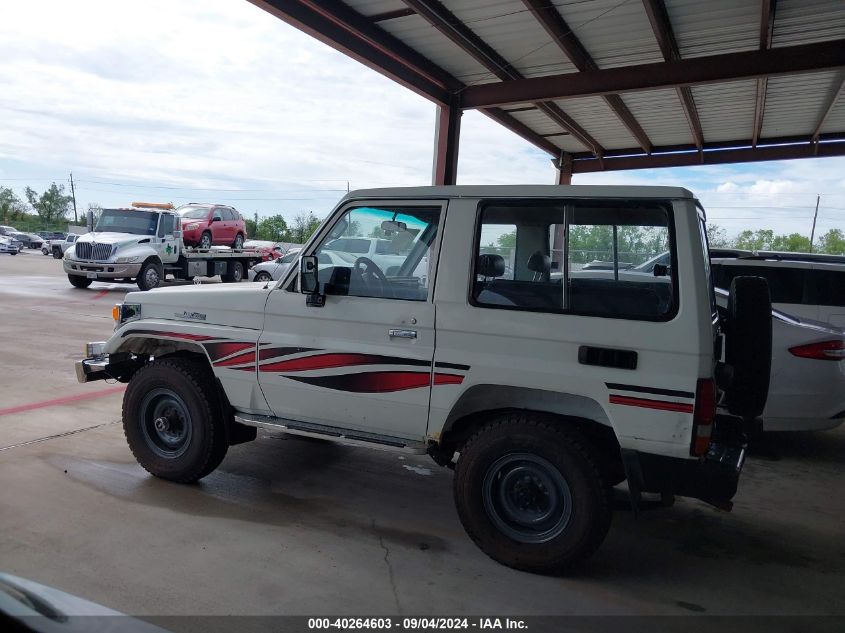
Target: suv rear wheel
[[239, 241], [173, 421], [530, 494]]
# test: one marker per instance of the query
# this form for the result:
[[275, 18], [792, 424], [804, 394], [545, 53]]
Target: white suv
[[541, 393]]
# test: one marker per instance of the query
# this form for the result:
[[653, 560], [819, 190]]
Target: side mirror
[[177, 234], [662, 270], [309, 282], [216, 218]]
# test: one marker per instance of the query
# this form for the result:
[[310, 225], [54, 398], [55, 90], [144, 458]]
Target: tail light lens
[[825, 350], [704, 414]]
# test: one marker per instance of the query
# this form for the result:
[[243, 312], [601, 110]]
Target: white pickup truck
[[144, 243], [541, 392]]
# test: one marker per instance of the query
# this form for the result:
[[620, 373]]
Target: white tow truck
[[540, 390], [143, 243]]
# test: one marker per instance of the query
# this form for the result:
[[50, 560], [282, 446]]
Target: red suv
[[205, 225]]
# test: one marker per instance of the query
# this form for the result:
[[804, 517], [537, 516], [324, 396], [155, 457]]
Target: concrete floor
[[288, 526]]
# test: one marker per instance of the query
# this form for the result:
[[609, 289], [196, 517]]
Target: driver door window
[[380, 252]]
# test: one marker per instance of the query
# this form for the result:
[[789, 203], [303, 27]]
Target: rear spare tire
[[530, 494], [748, 346], [172, 420]]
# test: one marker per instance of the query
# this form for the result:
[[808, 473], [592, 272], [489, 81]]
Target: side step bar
[[333, 433]]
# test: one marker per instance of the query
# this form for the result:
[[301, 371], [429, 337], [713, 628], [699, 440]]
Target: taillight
[[825, 350], [704, 414]]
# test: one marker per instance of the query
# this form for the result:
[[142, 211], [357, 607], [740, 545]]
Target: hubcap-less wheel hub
[[527, 498], [166, 423]]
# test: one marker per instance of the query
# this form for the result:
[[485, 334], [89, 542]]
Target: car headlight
[[125, 312], [68, 253], [192, 227], [95, 349], [127, 260]]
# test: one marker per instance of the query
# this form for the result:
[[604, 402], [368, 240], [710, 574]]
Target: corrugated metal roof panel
[[836, 119], [661, 115], [595, 116], [715, 26], [511, 30], [726, 110], [427, 40], [614, 34], [542, 124], [794, 105], [373, 7], [808, 21]]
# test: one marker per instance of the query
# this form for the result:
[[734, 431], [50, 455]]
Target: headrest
[[490, 265], [539, 263]]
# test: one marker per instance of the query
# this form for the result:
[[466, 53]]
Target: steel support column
[[564, 169], [447, 134]]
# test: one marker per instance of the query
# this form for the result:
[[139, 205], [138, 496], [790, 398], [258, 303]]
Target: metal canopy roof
[[613, 84]]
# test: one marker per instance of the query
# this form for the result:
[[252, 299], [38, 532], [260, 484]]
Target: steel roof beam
[[391, 15], [788, 60], [552, 21], [459, 33], [713, 157], [662, 27], [838, 86], [767, 27]]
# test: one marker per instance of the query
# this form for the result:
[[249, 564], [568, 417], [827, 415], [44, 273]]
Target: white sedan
[[807, 382]]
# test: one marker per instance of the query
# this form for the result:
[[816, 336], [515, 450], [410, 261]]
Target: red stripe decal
[[330, 361], [647, 403], [240, 359], [372, 382], [221, 350], [182, 335], [448, 379]]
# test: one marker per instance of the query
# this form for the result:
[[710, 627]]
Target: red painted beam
[[787, 60]]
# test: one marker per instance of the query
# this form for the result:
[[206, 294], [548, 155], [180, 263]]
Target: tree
[[11, 207], [52, 205], [794, 243], [832, 242], [303, 227], [717, 236], [251, 228], [759, 240], [274, 229]]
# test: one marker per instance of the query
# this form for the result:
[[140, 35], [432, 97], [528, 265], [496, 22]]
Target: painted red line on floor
[[59, 401], [101, 294]]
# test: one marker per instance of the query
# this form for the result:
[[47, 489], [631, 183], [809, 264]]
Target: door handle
[[402, 333]]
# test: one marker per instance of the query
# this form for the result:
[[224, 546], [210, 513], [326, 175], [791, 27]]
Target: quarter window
[[598, 259]]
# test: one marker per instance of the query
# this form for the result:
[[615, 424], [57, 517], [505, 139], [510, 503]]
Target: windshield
[[194, 213], [287, 259], [128, 221]]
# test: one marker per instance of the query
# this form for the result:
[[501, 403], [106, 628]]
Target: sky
[[218, 101]]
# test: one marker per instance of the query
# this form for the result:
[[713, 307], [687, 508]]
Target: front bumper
[[101, 270], [118, 367]]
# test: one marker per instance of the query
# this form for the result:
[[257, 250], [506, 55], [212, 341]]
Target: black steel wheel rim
[[166, 423], [527, 498]]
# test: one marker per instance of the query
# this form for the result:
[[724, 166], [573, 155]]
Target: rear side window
[[595, 258], [830, 287], [786, 285]]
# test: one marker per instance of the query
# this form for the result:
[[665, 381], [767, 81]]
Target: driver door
[[362, 361]]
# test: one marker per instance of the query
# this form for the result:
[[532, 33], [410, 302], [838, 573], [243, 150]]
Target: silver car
[[273, 270]]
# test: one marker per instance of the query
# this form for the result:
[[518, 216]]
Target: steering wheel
[[368, 270]]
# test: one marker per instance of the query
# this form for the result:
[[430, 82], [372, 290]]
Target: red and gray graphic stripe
[[379, 381], [680, 402]]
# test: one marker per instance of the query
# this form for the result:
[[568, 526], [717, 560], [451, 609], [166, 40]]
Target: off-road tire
[[202, 243], [194, 384], [78, 281], [573, 457], [239, 241], [143, 282], [234, 272], [748, 345]]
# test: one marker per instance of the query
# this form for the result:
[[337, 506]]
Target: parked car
[[207, 225], [29, 240], [59, 247], [8, 245], [52, 235], [274, 269], [807, 383], [5, 230], [270, 251], [801, 284], [540, 407]]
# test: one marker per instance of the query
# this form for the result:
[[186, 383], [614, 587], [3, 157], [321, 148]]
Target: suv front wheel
[[529, 493]]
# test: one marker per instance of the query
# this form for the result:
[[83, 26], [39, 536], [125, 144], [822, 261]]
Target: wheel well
[[152, 258], [601, 438]]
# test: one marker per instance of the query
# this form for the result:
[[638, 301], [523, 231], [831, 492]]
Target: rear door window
[[830, 287]]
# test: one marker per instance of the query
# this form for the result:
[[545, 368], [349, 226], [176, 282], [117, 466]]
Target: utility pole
[[815, 215], [73, 195]]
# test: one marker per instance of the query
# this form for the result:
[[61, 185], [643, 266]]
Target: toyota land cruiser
[[541, 383]]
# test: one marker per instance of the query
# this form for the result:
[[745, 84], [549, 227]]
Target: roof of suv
[[775, 257], [524, 191]]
